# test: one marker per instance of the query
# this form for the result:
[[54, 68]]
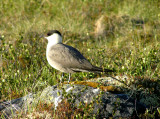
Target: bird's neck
[[49, 46]]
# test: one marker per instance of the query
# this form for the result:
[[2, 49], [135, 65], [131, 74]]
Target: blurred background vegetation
[[115, 34]]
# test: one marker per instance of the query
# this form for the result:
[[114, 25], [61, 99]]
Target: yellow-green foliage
[[126, 39], [96, 85]]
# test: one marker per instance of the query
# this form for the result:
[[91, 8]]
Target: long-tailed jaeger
[[66, 58]]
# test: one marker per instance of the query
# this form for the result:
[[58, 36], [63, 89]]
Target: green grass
[[131, 44]]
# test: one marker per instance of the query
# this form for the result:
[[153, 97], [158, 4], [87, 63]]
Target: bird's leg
[[61, 80], [69, 77]]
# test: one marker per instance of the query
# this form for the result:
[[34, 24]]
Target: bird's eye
[[48, 34]]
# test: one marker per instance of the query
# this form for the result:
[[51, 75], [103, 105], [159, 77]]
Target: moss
[[112, 89]]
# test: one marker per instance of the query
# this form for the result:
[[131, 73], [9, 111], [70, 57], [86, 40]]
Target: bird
[[67, 59]]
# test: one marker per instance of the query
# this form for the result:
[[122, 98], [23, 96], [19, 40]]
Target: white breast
[[50, 61]]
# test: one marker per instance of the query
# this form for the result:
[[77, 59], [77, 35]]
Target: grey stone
[[105, 104]]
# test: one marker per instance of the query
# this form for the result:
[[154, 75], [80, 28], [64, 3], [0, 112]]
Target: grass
[[129, 41]]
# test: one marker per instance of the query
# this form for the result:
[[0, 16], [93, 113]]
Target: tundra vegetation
[[117, 34]]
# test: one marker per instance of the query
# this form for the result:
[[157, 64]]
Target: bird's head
[[54, 37]]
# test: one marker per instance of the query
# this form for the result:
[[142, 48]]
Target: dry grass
[[123, 35]]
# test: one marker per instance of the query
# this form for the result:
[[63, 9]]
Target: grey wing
[[69, 57]]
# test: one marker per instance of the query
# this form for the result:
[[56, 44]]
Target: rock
[[10, 107], [104, 104]]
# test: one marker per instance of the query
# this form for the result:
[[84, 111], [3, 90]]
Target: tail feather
[[99, 69], [93, 69]]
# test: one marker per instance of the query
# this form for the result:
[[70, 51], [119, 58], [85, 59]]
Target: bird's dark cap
[[52, 32]]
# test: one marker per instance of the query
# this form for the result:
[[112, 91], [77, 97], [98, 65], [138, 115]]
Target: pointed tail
[[99, 69]]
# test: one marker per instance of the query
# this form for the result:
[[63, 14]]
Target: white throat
[[54, 39]]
